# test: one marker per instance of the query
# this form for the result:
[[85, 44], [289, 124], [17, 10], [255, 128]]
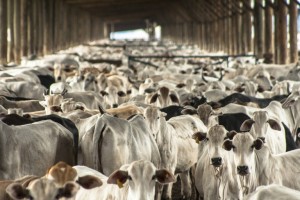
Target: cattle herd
[[88, 123]]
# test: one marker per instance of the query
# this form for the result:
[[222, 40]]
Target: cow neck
[[247, 184], [7, 135]]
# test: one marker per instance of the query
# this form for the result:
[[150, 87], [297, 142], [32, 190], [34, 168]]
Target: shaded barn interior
[[38, 27]]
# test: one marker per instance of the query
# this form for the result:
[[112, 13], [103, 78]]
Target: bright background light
[[130, 35]]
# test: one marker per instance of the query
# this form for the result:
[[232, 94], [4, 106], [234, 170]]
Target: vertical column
[[293, 31], [10, 18], [17, 34], [24, 26], [268, 34], [31, 27], [282, 33], [258, 29], [3, 31], [247, 26]]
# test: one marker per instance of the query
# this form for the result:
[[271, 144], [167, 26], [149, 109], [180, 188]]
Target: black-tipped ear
[[199, 136], [188, 111], [17, 191], [257, 144], [103, 93], [227, 145], [230, 135], [247, 124], [174, 98], [274, 124], [154, 98], [149, 90], [121, 94], [180, 85]]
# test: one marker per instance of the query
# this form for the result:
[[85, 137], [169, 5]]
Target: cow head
[[60, 182], [259, 125], [243, 146], [141, 177], [154, 118], [291, 100], [205, 112], [214, 140]]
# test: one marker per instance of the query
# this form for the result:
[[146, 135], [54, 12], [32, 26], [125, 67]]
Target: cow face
[[291, 100], [154, 117], [111, 97], [243, 146], [205, 112], [52, 103], [214, 140], [42, 189], [141, 177], [90, 82], [58, 72], [259, 125]]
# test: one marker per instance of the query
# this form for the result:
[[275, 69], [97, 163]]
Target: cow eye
[[129, 178], [153, 177]]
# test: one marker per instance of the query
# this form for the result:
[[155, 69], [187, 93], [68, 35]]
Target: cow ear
[[163, 176], [230, 135], [89, 182], [68, 191], [247, 124], [188, 111], [43, 103], [199, 136], [121, 94], [149, 90], [163, 114], [17, 191], [180, 85], [274, 124], [154, 98], [257, 144], [174, 98], [118, 177], [103, 93], [227, 145]]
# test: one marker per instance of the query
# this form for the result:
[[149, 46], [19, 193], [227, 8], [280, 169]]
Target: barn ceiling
[[135, 12]]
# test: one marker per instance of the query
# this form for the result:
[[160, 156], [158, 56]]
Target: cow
[[210, 117], [291, 106], [133, 181], [243, 100], [174, 139], [43, 143], [276, 135], [213, 175], [60, 182], [164, 97], [111, 142], [255, 165], [273, 191], [26, 105]]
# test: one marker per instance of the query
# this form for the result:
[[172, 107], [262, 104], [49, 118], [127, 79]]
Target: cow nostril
[[115, 105], [262, 139], [59, 78], [243, 170], [217, 161]]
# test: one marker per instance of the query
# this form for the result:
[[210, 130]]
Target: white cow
[[174, 139], [274, 192], [213, 176], [112, 142], [42, 143], [256, 165], [133, 181], [61, 182], [269, 130]]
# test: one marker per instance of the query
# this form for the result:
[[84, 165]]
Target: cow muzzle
[[216, 162], [243, 170]]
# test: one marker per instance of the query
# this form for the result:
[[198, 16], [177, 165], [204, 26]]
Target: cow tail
[[97, 144]]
